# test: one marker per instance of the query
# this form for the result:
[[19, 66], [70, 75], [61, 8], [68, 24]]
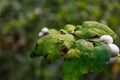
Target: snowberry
[[112, 60], [114, 48], [44, 30], [106, 39], [40, 34]]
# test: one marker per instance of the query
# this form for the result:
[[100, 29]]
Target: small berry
[[114, 48], [106, 39], [44, 30], [112, 60], [40, 34]]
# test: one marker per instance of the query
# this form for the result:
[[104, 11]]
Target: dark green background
[[21, 20]]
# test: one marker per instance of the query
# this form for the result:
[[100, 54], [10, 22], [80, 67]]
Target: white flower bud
[[114, 48], [44, 30], [106, 39], [40, 34]]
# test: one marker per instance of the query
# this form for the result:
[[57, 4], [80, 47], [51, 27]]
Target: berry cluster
[[107, 39], [43, 32]]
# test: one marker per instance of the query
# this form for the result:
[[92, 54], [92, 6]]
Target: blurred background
[[21, 20]]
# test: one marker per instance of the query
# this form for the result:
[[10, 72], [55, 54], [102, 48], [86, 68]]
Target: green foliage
[[88, 61], [92, 29], [83, 54], [49, 46], [69, 28]]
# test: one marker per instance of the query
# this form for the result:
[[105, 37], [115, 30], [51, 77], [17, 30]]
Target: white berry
[[106, 39], [44, 30], [40, 34], [112, 60], [114, 48]]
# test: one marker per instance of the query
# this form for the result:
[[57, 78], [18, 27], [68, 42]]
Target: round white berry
[[40, 34], [114, 48], [44, 30], [106, 39], [112, 60]]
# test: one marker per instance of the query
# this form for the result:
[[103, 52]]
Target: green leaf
[[93, 57], [99, 26], [92, 29], [69, 28], [99, 56], [50, 45]]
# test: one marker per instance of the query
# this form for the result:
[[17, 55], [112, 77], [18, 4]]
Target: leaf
[[102, 27], [74, 69], [50, 45], [100, 55], [92, 29], [69, 28], [93, 57]]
